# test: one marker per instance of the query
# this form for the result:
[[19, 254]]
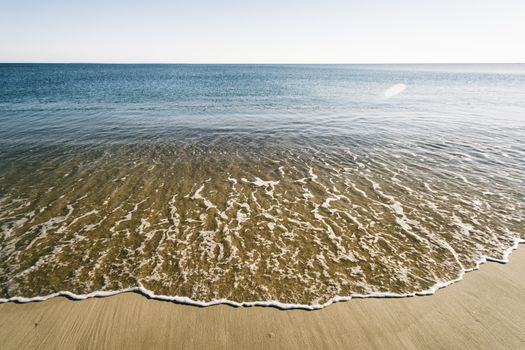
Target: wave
[[267, 303]]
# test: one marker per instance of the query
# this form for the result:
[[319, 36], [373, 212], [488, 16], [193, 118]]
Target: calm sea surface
[[285, 184]]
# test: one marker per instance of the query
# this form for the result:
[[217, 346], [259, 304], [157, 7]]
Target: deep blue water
[[85, 103]]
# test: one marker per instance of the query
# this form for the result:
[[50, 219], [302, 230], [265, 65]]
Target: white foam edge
[[270, 303]]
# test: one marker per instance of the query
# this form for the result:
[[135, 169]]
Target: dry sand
[[484, 311]]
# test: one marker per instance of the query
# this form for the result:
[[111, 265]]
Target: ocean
[[282, 185]]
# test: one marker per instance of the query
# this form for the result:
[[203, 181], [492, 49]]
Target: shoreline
[[485, 311], [267, 303]]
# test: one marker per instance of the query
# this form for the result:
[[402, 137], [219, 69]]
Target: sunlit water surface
[[290, 184]]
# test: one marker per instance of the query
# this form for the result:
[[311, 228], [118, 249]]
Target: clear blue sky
[[271, 31]]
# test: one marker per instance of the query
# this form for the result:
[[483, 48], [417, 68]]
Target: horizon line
[[263, 63]]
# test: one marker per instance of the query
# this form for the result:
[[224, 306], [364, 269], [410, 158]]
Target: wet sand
[[484, 311]]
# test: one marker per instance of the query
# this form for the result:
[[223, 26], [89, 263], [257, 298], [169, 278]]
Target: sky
[[271, 31]]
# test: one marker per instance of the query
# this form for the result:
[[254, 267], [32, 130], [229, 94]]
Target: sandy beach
[[262, 175], [484, 311]]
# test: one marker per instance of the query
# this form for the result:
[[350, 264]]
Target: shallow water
[[289, 184]]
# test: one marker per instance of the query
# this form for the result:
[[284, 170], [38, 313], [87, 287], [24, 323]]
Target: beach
[[483, 311], [261, 188], [262, 175]]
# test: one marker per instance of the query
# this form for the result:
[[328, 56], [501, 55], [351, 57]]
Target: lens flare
[[395, 90]]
